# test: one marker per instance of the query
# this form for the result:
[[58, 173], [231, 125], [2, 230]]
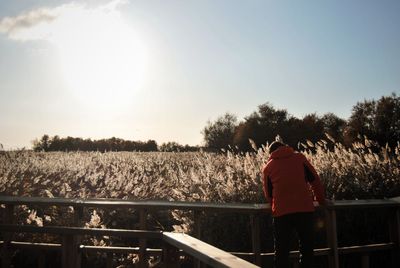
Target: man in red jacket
[[290, 183]]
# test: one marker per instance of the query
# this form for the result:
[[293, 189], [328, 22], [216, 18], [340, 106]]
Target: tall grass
[[361, 171]]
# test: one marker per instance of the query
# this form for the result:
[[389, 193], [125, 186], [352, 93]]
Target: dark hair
[[275, 145]]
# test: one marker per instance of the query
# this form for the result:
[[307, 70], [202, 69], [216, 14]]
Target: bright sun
[[103, 61]]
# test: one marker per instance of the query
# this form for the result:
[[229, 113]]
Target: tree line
[[378, 120], [55, 143]]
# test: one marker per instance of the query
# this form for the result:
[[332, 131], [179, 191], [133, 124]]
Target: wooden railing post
[[70, 252], [42, 259], [71, 255], [6, 253], [170, 256], [142, 241], [78, 217], [197, 224], [255, 237], [394, 233], [330, 216], [365, 261], [109, 263]]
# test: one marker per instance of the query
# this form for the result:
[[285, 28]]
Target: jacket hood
[[282, 152]]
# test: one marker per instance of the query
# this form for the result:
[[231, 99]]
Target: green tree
[[334, 126], [171, 146], [262, 126], [311, 128], [42, 145], [377, 120], [219, 134]]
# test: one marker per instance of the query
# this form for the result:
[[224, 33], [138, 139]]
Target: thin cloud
[[12, 25], [41, 24]]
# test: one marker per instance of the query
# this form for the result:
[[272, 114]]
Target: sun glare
[[103, 60]]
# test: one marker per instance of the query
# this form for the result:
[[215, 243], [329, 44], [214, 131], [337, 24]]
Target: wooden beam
[[144, 204], [366, 248], [208, 254], [81, 231], [34, 246], [168, 205], [120, 250]]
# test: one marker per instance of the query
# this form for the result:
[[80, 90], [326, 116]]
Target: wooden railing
[[201, 251]]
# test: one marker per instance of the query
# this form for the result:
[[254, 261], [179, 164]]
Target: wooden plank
[[81, 231], [206, 253]]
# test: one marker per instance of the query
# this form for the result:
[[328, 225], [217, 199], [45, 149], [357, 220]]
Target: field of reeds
[[362, 171]]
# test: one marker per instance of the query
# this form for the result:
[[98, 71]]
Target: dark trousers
[[285, 228]]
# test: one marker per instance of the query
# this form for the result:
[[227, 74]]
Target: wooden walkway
[[174, 244]]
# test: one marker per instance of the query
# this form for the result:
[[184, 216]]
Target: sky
[[160, 70]]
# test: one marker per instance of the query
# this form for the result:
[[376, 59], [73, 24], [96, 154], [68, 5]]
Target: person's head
[[274, 146]]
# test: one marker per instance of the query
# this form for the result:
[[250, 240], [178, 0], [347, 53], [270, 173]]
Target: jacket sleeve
[[266, 182], [314, 180]]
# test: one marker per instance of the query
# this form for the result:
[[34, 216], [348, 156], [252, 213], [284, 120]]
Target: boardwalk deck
[[190, 245]]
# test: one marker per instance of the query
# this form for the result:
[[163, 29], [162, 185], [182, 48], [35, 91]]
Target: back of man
[[289, 184]]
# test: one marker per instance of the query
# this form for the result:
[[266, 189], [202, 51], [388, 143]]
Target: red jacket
[[290, 181]]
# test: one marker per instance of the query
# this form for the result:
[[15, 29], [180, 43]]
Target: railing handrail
[[139, 204], [64, 230], [183, 205]]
